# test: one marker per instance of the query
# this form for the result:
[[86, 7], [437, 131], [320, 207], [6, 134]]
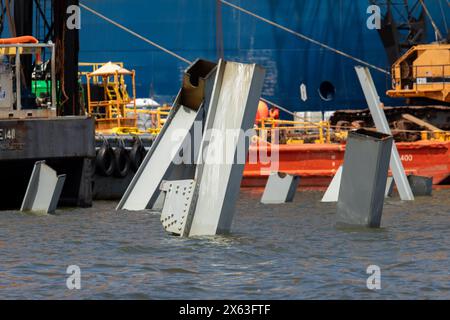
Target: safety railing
[[89, 67], [158, 117], [442, 136], [340, 133], [293, 132], [435, 77]]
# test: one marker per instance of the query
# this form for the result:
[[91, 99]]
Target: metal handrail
[[52, 48], [415, 75], [94, 67], [322, 128]]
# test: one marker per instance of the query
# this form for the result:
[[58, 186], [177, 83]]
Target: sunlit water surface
[[291, 251]]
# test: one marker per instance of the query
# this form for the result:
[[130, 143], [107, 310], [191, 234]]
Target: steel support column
[[379, 118]]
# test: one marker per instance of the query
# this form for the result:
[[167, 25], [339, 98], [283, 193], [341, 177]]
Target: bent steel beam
[[389, 187], [234, 102], [189, 107], [280, 188], [332, 193], [44, 190], [205, 205], [143, 190], [382, 125]]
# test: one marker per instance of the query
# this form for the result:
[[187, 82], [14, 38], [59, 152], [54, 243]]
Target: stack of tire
[[119, 161]]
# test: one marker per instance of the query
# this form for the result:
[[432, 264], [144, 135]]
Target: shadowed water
[[288, 251]]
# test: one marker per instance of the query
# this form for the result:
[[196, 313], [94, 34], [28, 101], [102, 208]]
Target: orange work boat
[[312, 149], [317, 163], [424, 146]]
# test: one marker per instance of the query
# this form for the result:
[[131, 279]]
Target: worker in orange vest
[[262, 113], [274, 113]]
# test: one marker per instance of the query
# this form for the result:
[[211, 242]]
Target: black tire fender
[[122, 162], [137, 155], [104, 161]]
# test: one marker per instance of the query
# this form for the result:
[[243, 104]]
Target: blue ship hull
[[189, 28]]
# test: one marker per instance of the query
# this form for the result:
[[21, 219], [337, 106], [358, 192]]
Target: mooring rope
[[282, 109], [98, 14], [443, 15], [435, 27], [302, 36]]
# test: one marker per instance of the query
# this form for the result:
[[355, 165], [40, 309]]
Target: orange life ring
[[22, 39]]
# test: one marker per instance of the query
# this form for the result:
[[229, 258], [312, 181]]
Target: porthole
[[327, 91]]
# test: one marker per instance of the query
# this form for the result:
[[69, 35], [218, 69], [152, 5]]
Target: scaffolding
[[112, 110]]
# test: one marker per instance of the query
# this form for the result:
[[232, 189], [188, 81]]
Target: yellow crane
[[111, 111]]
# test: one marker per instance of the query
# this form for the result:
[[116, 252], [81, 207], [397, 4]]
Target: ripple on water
[[293, 251]]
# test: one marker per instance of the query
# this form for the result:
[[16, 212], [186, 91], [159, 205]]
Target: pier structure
[[41, 118], [65, 143]]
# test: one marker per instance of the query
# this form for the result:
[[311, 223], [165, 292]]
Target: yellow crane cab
[[423, 72]]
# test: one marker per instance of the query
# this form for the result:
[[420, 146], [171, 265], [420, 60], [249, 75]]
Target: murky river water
[[292, 251]]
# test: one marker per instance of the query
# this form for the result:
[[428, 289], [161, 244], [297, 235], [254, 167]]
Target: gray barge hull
[[65, 143]]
